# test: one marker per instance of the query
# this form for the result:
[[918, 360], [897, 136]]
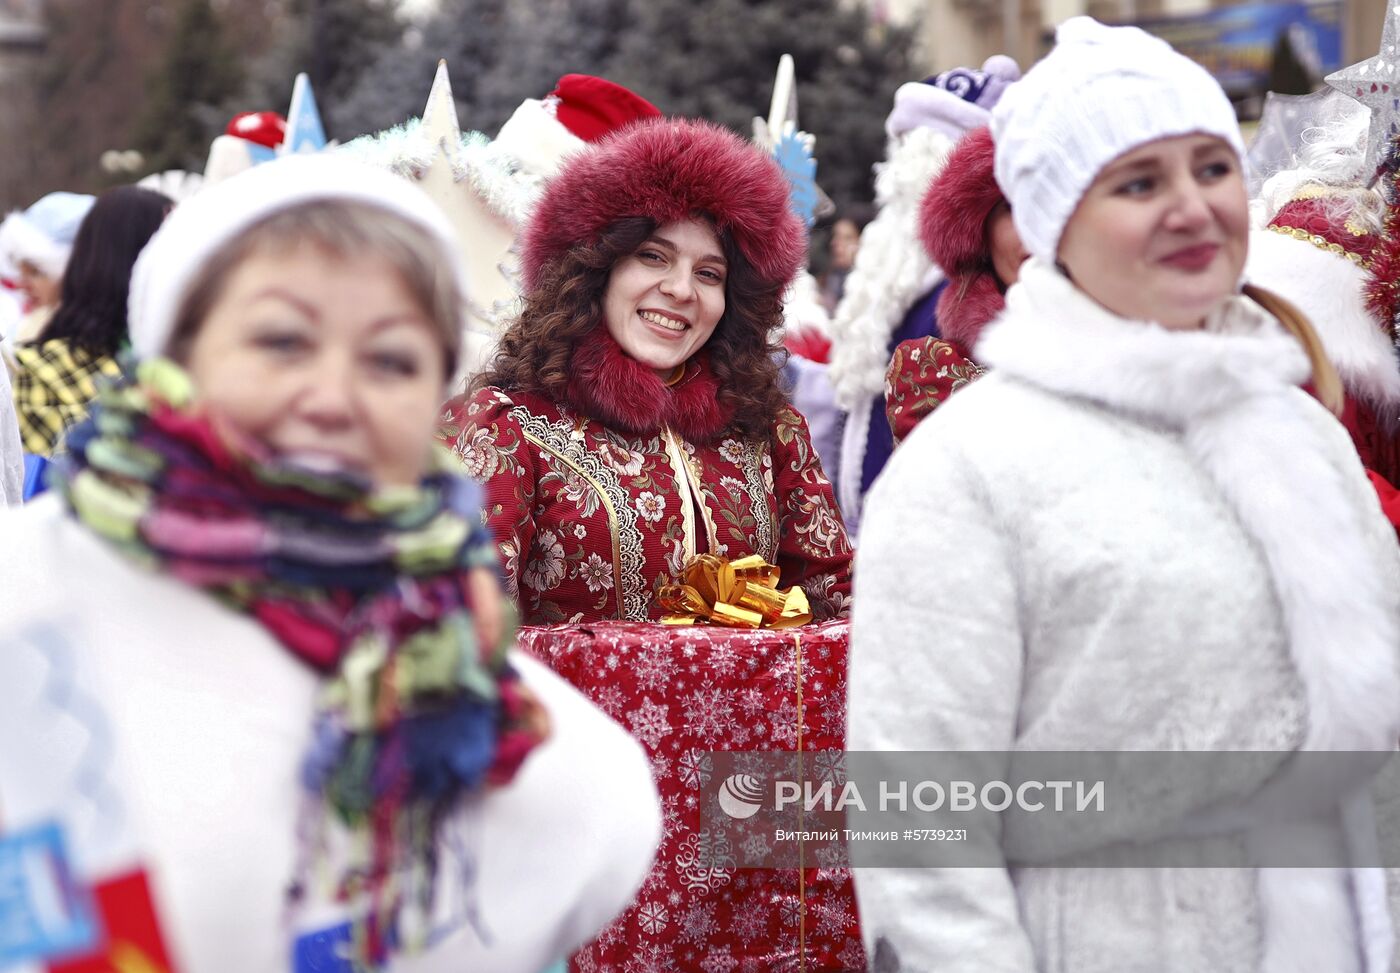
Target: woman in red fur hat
[[632, 417], [965, 225]]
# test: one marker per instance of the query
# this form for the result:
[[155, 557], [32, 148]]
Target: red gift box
[[683, 691]]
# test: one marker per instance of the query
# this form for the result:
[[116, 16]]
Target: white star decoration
[[1375, 82]]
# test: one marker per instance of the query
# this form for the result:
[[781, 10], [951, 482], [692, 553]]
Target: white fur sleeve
[[936, 660]]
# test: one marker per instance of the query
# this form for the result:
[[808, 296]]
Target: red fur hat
[[667, 169], [953, 215], [953, 226]]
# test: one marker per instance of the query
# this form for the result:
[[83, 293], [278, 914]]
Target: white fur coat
[[1126, 538]]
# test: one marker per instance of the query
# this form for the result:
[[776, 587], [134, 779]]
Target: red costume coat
[[593, 517], [921, 376]]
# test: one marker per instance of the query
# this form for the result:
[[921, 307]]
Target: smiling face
[[664, 300], [324, 359], [1161, 234]]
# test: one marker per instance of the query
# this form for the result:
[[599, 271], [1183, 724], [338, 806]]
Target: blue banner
[[1236, 44]]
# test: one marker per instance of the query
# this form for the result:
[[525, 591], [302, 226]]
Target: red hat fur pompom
[[668, 169], [953, 215]]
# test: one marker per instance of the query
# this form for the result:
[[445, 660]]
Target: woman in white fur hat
[[256, 705], [1136, 533]]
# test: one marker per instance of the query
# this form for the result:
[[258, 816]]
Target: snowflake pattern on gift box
[[651, 959], [698, 924], [654, 667], [695, 769], [648, 722], [653, 918], [719, 963], [708, 714], [832, 918], [684, 693], [755, 847]]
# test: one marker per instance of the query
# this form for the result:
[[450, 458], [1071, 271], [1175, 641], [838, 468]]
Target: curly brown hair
[[535, 352]]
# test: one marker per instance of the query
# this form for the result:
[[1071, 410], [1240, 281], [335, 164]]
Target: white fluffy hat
[[201, 226], [43, 234], [954, 102], [1101, 92]]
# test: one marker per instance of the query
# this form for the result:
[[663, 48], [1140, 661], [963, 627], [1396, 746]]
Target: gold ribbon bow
[[739, 594]]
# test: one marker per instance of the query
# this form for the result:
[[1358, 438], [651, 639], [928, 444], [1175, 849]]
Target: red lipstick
[[1193, 258]]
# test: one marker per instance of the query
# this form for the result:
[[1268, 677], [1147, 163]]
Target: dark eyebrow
[[709, 257]]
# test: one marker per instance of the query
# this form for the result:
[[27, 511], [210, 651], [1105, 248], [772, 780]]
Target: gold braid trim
[[1322, 243]]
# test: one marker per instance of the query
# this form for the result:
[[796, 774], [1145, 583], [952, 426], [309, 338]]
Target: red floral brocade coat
[[921, 376], [591, 521]]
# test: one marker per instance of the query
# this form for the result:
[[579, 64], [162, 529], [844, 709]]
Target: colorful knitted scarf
[[367, 588]]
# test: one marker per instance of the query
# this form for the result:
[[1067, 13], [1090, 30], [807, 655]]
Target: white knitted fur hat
[[200, 227], [1101, 92]]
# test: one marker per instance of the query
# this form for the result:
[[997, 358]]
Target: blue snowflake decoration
[[794, 153]]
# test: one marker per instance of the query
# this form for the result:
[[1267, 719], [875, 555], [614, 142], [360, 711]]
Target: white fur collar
[[1231, 393], [1055, 336]]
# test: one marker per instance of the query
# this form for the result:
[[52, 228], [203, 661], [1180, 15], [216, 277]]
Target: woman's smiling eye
[[651, 256], [711, 275]]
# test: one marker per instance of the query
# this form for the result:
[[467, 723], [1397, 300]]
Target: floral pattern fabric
[[921, 376], [685, 692], [591, 522]]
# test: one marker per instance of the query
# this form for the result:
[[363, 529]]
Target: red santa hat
[[263, 127], [580, 110], [953, 227], [1323, 221], [592, 107], [668, 169]]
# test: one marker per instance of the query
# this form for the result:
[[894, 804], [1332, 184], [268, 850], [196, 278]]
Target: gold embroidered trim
[[1323, 243], [675, 454], [629, 560], [697, 479], [764, 523]]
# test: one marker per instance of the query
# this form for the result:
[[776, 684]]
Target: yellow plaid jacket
[[53, 386]]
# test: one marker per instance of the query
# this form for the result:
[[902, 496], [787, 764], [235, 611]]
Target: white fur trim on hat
[[537, 139], [21, 242], [920, 105], [200, 227], [1331, 292], [43, 234], [1101, 92]]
